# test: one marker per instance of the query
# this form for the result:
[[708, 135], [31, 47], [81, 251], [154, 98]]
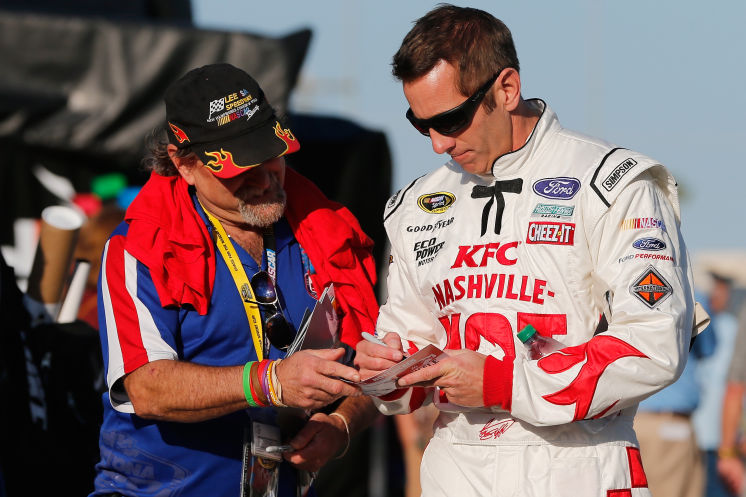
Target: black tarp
[[79, 95]]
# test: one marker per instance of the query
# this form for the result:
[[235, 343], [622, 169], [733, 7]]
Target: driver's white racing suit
[[580, 239]]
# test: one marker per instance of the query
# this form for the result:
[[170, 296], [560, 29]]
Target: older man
[[202, 288]]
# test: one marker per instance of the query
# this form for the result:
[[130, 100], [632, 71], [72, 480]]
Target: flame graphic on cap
[[291, 144], [178, 133], [221, 159]]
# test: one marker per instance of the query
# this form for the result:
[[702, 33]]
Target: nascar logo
[[436, 203]]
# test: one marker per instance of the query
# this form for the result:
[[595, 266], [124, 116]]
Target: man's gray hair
[[156, 154]]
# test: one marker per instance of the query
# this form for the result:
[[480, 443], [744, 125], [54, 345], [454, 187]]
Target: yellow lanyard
[[242, 283]]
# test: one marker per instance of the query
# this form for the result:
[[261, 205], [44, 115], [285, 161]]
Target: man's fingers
[[328, 354], [376, 351], [423, 375], [305, 435], [393, 340]]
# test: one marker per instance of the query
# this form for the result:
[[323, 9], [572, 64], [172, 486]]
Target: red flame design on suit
[[600, 352]]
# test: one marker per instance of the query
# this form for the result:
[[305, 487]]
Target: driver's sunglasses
[[456, 119], [276, 327]]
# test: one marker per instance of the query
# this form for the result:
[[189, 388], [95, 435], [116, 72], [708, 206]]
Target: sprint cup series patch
[[436, 203], [651, 288]]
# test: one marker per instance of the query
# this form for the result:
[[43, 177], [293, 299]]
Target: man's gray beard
[[263, 214]]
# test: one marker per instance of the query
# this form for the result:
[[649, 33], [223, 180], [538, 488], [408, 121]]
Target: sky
[[665, 78]]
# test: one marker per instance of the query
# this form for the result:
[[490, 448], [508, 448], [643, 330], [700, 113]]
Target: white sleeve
[[650, 314], [407, 315]]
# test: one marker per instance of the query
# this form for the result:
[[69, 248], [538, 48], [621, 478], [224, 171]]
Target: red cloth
[[168, 235], [497, 389]]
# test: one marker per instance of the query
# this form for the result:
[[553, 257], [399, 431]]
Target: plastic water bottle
[[538, 345]]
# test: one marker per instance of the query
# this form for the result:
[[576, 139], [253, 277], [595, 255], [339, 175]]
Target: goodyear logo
[[436, 203]]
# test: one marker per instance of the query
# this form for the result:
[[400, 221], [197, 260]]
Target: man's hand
[[372, 358], [731, 471], [460, 376], [317, 442], [309, 378]]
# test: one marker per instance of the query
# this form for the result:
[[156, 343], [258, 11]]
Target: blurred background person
[[730, 462], [668, 445], [711, 374]]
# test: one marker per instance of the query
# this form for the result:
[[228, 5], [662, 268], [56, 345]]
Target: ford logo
[[649, 244], [557, 188]]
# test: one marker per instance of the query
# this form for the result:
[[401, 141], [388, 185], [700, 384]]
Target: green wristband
[[247, 384]]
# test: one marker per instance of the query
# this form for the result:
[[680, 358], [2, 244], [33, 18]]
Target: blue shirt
[[155, 458], [712, 373]]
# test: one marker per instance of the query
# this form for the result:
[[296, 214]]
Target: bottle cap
[[526, 333]]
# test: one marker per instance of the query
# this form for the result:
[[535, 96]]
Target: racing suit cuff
[[497, 389]]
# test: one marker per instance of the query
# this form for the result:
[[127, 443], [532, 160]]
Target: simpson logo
[[436, 203], [642, 223], [653, 244], [551, 233], [651, 288], [612, 179], [552, 210], [178, 133], [562, 188]]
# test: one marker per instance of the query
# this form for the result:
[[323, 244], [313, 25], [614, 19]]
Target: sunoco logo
[[649, 244], [436, 203]]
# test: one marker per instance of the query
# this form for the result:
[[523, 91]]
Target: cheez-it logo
[[551, 233], [178, 133]]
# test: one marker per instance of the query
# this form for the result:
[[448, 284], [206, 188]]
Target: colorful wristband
[[247, 384], [256, 386]]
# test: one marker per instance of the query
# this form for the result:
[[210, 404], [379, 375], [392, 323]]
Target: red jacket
[[168, 235]]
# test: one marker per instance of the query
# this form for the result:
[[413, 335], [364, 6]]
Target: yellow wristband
[[728, 452]]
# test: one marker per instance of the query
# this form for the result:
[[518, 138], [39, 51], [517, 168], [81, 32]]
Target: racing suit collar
[[510, 164]]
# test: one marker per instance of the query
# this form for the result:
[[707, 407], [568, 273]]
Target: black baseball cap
[[222, 114]]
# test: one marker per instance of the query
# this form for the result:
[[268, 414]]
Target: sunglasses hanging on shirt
[[276, 327]]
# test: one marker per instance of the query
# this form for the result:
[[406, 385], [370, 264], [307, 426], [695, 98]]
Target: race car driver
[[528, 223]]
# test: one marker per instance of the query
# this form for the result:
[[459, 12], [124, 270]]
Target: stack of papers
[[385, 381], [320, 327]]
